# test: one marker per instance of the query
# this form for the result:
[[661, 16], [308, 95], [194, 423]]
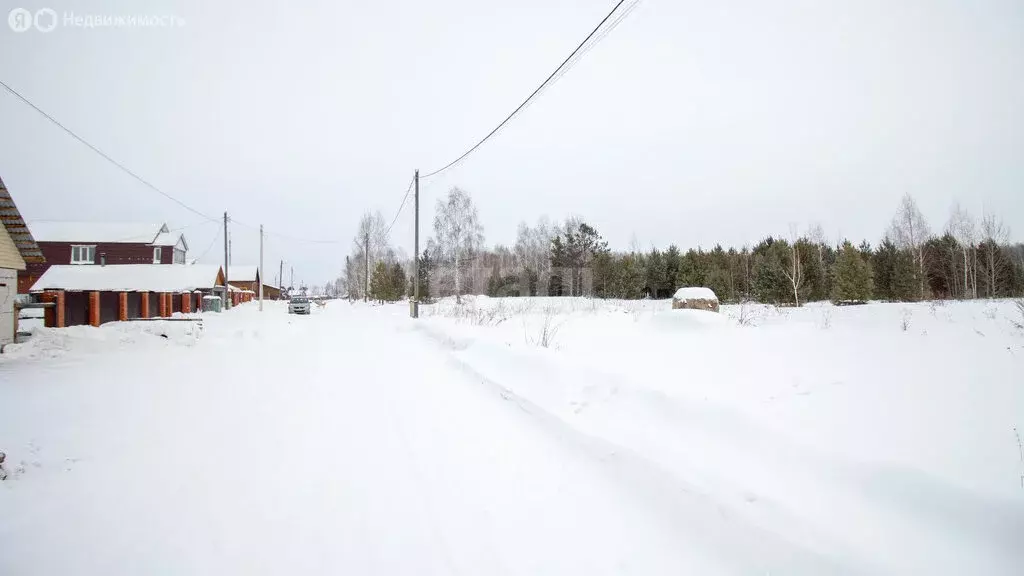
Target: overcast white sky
[[693, 122]]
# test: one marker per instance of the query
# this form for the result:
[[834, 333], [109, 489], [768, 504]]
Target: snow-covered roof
[[129, 278], [108, 232], [170, 239], [242, 273], [695, 293], [15, 226]]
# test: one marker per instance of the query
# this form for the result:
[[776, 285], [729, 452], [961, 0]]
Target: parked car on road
[[298, 305]]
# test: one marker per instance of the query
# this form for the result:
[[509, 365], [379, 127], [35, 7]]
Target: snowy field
[[520, 436]]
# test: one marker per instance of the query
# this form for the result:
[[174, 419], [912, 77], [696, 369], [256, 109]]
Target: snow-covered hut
[[695, 298]]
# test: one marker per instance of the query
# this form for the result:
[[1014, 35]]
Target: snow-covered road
[[336, 443], [351, 441]]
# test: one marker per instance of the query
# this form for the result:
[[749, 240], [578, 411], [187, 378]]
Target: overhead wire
[[530, 97], [208, 248], [102, 154], [402, 205], [135, 176]]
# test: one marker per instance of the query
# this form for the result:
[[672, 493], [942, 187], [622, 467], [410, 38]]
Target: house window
[[179, 256], [157, 253], [83, 254]]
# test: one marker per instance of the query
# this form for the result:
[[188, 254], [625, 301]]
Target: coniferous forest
[[965, 258]]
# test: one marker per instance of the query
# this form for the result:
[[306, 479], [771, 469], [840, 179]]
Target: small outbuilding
[[695, 298], [17, 249], [98, 294]]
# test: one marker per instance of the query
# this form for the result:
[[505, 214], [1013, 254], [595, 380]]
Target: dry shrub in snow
[[905, 316], [3, 472], [748, 314], [1019, 322], [825, 316], [1020, 453], [544, 334]]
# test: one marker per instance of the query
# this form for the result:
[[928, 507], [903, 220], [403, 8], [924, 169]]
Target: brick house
[[247, 277], [17, 250], [95, 243]]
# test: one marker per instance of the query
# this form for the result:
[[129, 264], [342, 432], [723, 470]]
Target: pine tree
[[379, 282], [768, 276], [853, 279], [396, 282], [905, 278], [425, 273], [883, 263]]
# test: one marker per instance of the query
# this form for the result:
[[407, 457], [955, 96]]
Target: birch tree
[[458, 233], [369, 245], [795, 273], [994, 235], [961, 227], [909, 231], [533, 250]]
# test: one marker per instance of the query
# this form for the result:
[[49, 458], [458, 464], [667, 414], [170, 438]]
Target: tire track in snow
[[719, 525]]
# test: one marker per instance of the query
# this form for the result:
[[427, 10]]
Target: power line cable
[[401, 206], [528, 98], [208, 248], [102, 154]]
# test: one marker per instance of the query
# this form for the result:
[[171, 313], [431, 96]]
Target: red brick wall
[[117, 253]]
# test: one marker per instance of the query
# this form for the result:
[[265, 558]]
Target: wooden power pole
[[261, 268], [416, 252], [227, 292]]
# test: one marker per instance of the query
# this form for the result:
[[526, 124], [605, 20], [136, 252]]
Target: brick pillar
[[144, 305], [61, 320], [50, 314], [94, 308], [163, 304], [122, 306], [186, 303]]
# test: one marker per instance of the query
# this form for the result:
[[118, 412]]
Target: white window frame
[[158, 252], [77, 251]]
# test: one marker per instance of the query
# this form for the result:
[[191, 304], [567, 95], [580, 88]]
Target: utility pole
[[261, 268], [291, 283], [227, 293], [280, 278], [416, 252], [366, 268]]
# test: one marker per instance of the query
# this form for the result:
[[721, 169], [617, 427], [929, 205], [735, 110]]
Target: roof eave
[[17, 229]]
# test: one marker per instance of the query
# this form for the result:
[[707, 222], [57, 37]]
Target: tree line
[[968, 258]]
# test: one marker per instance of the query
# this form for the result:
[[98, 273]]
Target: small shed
[[695, 298], [17, 249]]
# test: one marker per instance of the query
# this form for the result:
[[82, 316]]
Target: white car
[[298, 305]]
